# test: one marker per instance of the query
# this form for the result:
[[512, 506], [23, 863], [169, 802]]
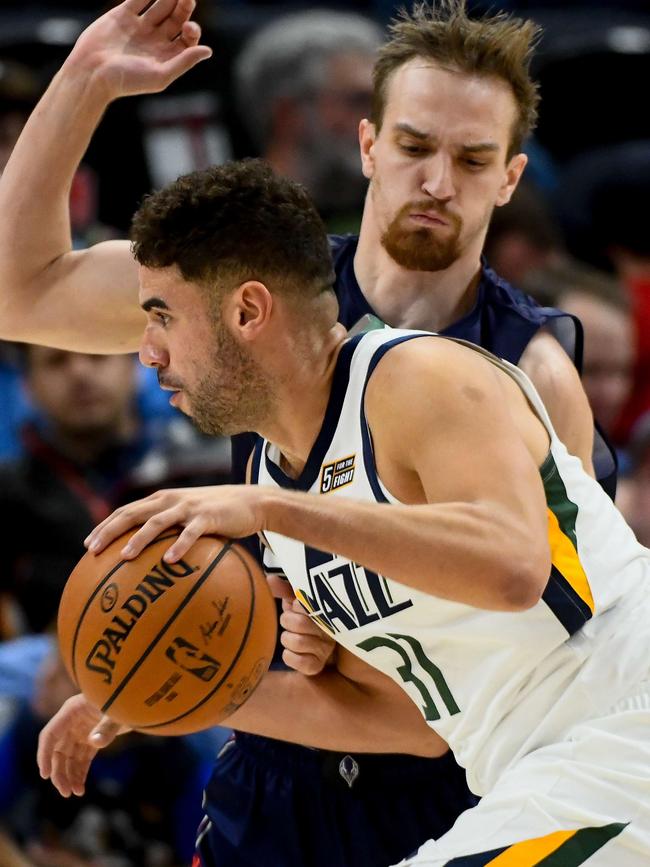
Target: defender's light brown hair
[[497, 46]]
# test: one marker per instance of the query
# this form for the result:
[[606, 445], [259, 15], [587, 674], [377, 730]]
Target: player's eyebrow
[[490, 146], [479, 147], [411, 130], [152, 303]]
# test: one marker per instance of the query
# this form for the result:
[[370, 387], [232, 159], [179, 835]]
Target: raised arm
[[82, 300]]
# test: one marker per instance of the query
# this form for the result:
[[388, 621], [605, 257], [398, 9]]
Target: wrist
[[270, 506], [92, 87]]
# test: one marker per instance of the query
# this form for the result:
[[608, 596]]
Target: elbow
[[526, 579]]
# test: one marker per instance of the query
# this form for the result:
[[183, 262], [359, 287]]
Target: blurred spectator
[[589, 60], [604, 207], [19, 90], [523, 236], [599, 302], [88, 452], [142, 799], [15, 406], [302, 84], [634, 497]]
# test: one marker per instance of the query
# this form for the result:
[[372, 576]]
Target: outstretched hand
[[140, 46], [70, 741]]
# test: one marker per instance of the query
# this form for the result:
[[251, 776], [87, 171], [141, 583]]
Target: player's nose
[[152, 355], [439, 182]]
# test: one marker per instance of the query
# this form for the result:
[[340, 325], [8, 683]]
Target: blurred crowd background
[[80, 434]]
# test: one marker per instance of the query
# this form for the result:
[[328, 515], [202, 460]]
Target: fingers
[[104, 532], [151, 513], [194, 510], [304, 664], [170, 20], [187, 538], [75, 769], [190, 34], [280, 586], [155, 13], [186, 60], [64, 751], [44, 754], [137, 6], [297, 621], [69, 768], [179, 16], [105, 733], [150, 530], [308, 649]]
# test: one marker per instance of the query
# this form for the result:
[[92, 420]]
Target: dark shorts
[[273, 804]]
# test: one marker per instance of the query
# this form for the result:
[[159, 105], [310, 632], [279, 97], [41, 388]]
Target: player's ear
[[367, 136], [249, 308], [513, 173]]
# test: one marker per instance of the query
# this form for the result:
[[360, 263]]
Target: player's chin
[[180, 402]]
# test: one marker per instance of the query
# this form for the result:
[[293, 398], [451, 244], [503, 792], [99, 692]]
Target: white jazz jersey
[[495, 685]]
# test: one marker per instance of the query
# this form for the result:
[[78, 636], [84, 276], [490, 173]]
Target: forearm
[[330, 712], [48, 293], [464, 552], [35, 187]]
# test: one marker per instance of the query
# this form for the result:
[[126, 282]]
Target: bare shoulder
[[435, 366], [426, 389], [545, 362], [558, 383]]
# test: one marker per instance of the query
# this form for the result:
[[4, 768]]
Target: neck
[[430, 300], [302, 395]]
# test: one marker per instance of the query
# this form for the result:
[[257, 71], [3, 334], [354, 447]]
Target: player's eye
[[412, 149], [162, 318], [474, 164]]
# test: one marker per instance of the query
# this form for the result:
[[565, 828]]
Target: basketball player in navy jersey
[[441, 152], [478, 568]]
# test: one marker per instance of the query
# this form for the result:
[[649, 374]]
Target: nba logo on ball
[[168, 648]]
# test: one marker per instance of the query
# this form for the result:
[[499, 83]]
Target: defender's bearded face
[[422, 237]]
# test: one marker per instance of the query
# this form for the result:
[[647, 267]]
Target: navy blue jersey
[[503, 320]]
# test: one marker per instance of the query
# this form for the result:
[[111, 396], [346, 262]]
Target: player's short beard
[[419, 248], [235, 395]]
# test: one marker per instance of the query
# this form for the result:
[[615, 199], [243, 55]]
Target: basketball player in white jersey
[[484, 576]]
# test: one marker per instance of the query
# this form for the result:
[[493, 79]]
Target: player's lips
[[428, 218], [177, 392]]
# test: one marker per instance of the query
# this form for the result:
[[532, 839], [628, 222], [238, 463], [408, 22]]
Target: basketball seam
[[197, 584], [94, 595], [234, 662]]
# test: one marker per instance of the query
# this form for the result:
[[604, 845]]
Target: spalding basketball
[[168, 648]]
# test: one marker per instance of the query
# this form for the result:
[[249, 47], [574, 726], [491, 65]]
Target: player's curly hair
[[496, 45], [235, 222]]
